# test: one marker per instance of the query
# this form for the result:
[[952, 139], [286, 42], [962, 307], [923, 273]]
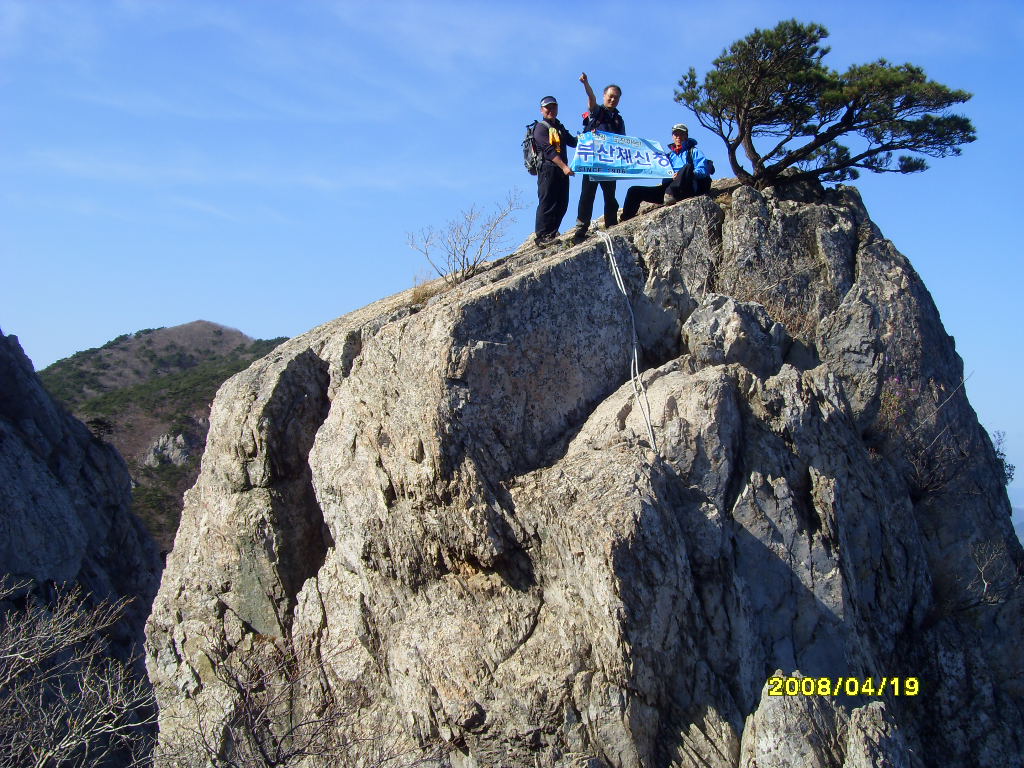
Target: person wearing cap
[[600, 117], [551, 139], [691, 175]]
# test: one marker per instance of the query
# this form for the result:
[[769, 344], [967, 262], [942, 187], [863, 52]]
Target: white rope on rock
[[638, 383]]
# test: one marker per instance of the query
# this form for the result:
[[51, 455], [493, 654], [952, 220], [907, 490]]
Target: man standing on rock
[[551, 139], [602, 117]]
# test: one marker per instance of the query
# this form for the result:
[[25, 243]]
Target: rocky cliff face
[[455, 519], [65, 499]]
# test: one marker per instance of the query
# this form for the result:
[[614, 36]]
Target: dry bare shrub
[[990, 578], [788, 299], [63, 700], [705, 232], [457, 251], [935, 464], [909, 416], [1006, 469], [424, 289], [996, 578], [279, 709]]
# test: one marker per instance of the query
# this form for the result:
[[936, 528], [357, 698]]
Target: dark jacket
[[607, 119], [542, 139]]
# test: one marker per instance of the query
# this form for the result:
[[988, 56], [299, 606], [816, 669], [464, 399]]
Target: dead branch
[[466, 243]]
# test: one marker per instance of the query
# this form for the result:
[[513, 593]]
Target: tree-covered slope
[[149, 393]]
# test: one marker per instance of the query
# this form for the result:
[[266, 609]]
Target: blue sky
[[259, 163]]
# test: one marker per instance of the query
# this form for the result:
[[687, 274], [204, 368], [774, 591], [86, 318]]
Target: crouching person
[[692, 175]]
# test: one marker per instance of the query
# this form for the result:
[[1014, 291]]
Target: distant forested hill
[[149, 394]]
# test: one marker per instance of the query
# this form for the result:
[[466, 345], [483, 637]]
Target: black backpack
[[532, 159]]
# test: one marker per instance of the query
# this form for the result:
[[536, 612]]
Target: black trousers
[[637, 195], [683, 185], [586, 210], [552, 200]]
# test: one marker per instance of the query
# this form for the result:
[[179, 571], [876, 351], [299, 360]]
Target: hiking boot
[[669, 199], [545, 240], [579, 235]]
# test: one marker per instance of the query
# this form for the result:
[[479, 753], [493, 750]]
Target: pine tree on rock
[[770, 95]]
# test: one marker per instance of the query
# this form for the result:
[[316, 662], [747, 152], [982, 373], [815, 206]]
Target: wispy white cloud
[[234, 98], [65, 204], [471, 38], [318, 74], [95, 168], [13, 18], [165, 104], [66, 31], [193, 171], [201, 206]]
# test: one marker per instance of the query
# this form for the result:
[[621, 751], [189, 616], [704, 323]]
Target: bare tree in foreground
[[280, 710], [63, 701], [459, 250]]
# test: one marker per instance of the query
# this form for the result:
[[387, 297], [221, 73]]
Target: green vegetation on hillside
[[178, 399], [139, 358], [71, 379], [155, 381], [180, 392], [158, 492]]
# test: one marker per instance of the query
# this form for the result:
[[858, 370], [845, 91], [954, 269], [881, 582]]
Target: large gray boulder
[[65, 500], [465, 521]]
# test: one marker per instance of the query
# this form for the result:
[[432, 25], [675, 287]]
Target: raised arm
[[591, 99]]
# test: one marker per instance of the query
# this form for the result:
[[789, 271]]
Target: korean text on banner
[[605, 156]]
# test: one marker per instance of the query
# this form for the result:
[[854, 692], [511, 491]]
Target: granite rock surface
[[467, 522]]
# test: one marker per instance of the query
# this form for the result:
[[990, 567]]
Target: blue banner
[[605, 156]]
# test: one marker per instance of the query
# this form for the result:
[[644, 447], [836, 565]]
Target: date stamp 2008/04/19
[[843, 686]]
